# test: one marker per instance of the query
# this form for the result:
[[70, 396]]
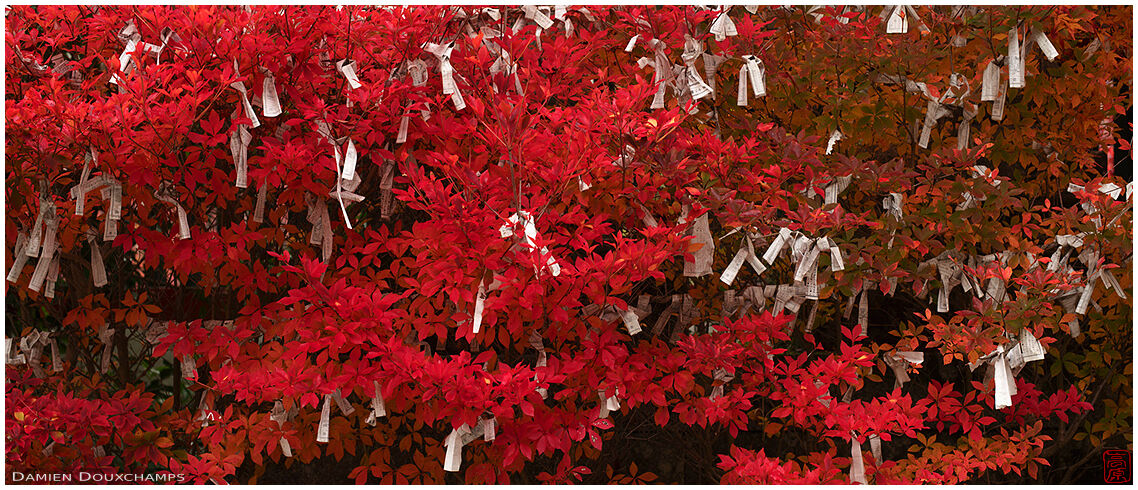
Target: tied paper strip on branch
[[280, 416], [446, 72], [746, 253], [693, 51], [346, 408], [270, 101], [79, 192], [530, 237], [1015, 60], [834, 137], [896, 21], [608, 404], [752, 74], [711, 64], [460, 437], [50, 244], [245, 104], [723, 26], [21, 257], [348, 69], [899, 362], [857, 466], [239, 141], [378, 407], [663, 67], [165, 193], [325, 414], [700, 265], [479, 304]]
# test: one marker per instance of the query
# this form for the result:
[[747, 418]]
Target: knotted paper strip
[[349, 72], [479, 304], [1003, 378], [270, 101], [35, 242], [105, 338], [1001, 100], [777, 246], [693, 51], [240, 88], [700, 265], [834, 137], [753, 72], [663, 67], [897, 23], [98, 269], [857, 466], [454, 445], [723, 26], [279, 416], [530, 237], [21, 257], [325, 413], [990, 84], [49, 249], [346, 408], [165, 194], [52, 275], [378, 407], [1044, 44], [899, 362], [631, 321], [446, 72], [56, 360], [1015, 60], [350, 157], [262, 196], [239, 141]]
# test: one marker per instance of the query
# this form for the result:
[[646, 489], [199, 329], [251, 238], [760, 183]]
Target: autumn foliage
[[490, 245]]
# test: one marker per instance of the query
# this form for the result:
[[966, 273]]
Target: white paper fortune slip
[[1015, 60], [777, 245], [279, 416], [857, 465], [453, 444], [479, 304], [1004, 379], [896, 23], [50, 244], [693, 51], [700, 265], [325, 413], [530, 237], [752, 74], [165, 194], [1044, 44], [723, 26], [239, 141], [711, 65], [663, 68], [349, 71], [346, 407], [350, 157], [240, 88], [446, 72], [990, 84], [21, 257], [270, 101], [631, 321]]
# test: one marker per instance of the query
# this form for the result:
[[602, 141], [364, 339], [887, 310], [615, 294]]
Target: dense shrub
[[424, 245]]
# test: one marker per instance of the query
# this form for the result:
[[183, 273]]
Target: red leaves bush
[[482, 282]]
